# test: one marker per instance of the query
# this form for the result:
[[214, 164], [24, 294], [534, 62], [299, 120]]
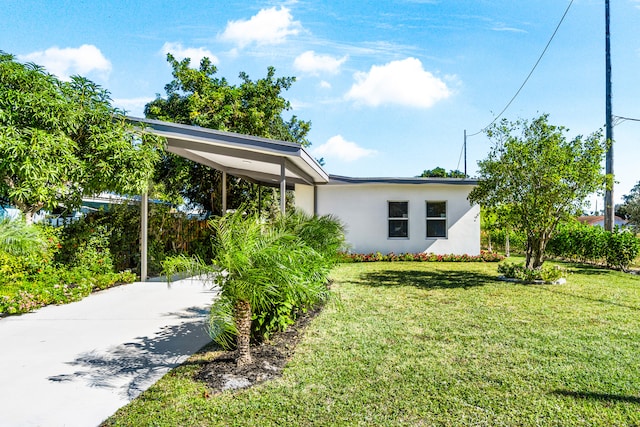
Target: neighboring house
[[598, 221], [380, 214]]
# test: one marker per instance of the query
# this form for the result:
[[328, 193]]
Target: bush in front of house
[[544, 274], [31, 276], [485, 256]]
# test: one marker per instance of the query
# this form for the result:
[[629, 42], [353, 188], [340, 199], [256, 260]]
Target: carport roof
[[253, 158]]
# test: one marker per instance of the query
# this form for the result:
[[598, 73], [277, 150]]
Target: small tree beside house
[[540, 175]]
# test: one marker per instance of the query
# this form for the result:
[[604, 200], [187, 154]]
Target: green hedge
[[580, 242]]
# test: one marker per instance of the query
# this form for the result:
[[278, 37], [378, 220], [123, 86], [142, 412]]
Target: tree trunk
[[242, 316], [28, 218], [489, 241], [507, 245], [535, 252]]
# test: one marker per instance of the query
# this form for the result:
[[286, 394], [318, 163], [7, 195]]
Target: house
[[399, 214], [380, 214], [598, 221]]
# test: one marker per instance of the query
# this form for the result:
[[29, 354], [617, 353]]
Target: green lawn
[[438, 344]]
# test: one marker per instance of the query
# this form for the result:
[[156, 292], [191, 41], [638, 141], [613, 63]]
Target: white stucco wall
[[304, 198], [363, 209]]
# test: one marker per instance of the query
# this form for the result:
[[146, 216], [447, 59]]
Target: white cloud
[[508, 29], [325, 84], [269, 26], [133, 106], [195, 53], [398, 82], [68, 61], [339, 148], [310, 62]]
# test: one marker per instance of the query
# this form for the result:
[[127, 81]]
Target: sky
[[389, 86]]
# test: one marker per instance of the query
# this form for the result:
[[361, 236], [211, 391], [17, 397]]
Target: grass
[[438, 344]]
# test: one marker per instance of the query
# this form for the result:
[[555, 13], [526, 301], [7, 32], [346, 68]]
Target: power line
[[620, 119], [530, 73]]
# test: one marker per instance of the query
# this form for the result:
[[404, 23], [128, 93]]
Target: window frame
[[396, 218], [444, 218]]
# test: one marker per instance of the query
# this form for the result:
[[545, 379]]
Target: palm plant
[[21, 239], [257, 266]]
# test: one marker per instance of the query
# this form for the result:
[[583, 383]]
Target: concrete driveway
[[76, 364]]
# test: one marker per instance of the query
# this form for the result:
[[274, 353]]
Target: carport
[[259, 160]]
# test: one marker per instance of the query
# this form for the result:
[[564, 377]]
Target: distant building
[[598, 221]]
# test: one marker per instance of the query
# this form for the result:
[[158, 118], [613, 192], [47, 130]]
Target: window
[[436, 219], [399, 219]]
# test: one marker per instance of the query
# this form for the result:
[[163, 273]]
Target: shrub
[[170, 233], [544, 274], [57, 286], [622, 249], [585, 243], [485, 256], [277, 268]]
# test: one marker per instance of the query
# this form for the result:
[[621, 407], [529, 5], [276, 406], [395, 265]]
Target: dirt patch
[[269, 359]]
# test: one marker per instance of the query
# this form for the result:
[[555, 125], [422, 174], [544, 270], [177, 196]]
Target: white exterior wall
[[363, 209], [304, 198]]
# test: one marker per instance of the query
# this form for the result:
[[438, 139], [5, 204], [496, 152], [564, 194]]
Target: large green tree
[[540, 175], [60, 141], [196, 96]]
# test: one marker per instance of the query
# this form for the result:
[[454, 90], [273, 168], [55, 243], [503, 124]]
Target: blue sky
[[389, 86]]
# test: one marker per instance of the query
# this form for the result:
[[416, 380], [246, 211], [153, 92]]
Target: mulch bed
[[269, 359]]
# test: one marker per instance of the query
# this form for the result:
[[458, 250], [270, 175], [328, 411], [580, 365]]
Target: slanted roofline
[[341, 180], [254, 158]]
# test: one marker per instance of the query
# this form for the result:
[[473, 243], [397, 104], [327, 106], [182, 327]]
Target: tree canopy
[[62, 140], [197, 97], [541, 177], [439, 172], [631, 206]]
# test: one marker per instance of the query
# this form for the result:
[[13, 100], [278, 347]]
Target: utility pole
[[465, 153], [609, 211]]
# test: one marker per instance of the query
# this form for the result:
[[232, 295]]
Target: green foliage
[[517, 239], [85, 245], [197, 97], [543, 274], [25, 249], [31, 275], [21, 239], [622, 249], [439, 172], [582, 242], [631, 207], [279, 267], [485, 256], [540, 176], [170, 233], [60, 141], [56, 285]]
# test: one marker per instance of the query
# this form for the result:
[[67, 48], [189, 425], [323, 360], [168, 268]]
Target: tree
[[439, 172], [60, 141], [258, 265], [631, 206], [197, 97], [541, 176]]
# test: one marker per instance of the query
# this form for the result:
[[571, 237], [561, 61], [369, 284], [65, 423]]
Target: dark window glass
[[398, 209], [398, 228], [437, 228], [436, 209]]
